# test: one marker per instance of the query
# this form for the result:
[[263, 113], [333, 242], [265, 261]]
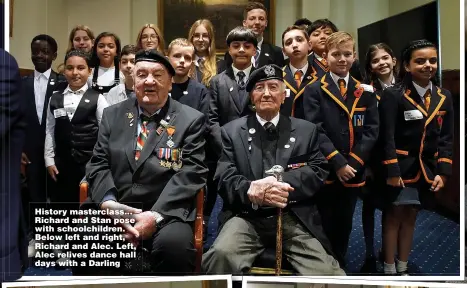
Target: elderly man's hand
[[258, 188], [123, 219], [145, 224], [277, 195]]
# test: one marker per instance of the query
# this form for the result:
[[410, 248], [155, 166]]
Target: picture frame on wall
[[175, 18], [12, 3]]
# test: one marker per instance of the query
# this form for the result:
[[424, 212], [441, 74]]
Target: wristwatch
[[158, 219]]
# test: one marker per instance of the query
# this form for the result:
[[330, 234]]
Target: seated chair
[[265, 264], [198, 223]]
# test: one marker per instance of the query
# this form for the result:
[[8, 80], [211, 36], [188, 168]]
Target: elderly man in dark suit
[[251, 145], [149, 161], [13, 242]]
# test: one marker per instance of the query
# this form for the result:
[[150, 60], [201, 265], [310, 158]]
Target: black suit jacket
[[239, 166], [147, 184], [227, 102], [349, 129], [35, 133], [270, 54], [13, 242], [419, 147]]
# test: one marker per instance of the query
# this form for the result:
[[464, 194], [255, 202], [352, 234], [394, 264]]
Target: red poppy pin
[[358, 92], [440, 121]]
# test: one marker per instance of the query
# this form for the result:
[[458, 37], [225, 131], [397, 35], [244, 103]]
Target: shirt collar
[[46, 74], [274, 120], [336, 79], [196, 59], [384, 86], [422, 90], [140, 111], [303, 69], [246, 71], [318, 57], [80, 91], [260, 43]]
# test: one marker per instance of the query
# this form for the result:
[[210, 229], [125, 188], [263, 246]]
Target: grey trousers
[[241, 240]]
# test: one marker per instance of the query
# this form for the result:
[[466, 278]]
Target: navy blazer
[[13, 242]]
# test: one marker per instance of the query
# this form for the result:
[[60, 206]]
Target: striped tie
[[298, 77], [427, 100], [342, 88], [256, 58], [143, 136]]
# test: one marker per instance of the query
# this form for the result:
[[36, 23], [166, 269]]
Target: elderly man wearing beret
[[252, 145], [149, 162]]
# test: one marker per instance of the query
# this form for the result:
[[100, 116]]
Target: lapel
[[332, 91], [319, 66], [351, 100], [154, 138], [51, 85], [246, 95], [232, 86], [286, 132], [31, 93], [255, 156], [309, 77], [289, 79], [412, 96], [129, 132], [437, 100]]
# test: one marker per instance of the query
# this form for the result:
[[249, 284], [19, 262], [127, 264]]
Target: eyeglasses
[[153, 37]]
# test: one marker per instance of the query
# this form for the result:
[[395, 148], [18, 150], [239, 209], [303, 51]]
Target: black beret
[[264, 73], [154, 56]]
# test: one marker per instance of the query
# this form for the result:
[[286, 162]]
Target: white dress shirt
[[247, 72], [263, 122], [336, 78], [303, 69], [105, 76], [41, 80], [422, 90], [70, 103]]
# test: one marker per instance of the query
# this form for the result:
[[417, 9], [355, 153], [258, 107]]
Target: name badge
[[287, 93], [59, 112], [413, 115]]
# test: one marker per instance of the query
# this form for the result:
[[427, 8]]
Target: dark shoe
[[369, 267]]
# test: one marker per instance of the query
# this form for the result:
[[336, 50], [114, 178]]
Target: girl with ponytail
[[416, 124]]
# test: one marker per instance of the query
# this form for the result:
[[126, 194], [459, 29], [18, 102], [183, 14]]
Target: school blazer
[[417, 143], [293, 103], [348, 129]]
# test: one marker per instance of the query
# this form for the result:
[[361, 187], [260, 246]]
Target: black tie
[[270, 129], [241, 78]]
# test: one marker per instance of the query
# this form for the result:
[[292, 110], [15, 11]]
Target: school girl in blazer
[[417, 134]]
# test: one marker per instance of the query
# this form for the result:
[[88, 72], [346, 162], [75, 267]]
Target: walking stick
[[277, 171]]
